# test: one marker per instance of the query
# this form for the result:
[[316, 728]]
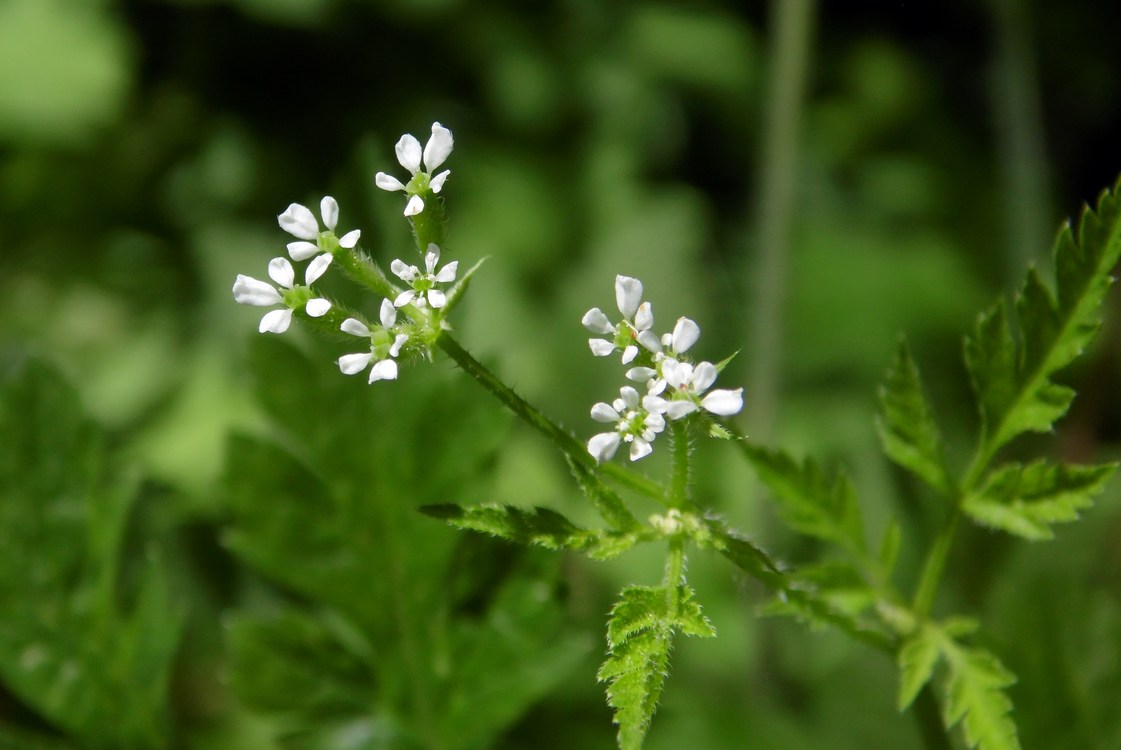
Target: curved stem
[[934, 565], [929, 719], [529, 414]]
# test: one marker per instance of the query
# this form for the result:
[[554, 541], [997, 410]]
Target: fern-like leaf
[[639, 638], [1012, 376], [808, 501], [916, 658], [906, 425], [539, 527], [1026, 500], [976, 698]]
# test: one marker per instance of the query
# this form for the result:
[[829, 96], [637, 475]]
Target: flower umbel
[[409, 155], [250, 291], [637, 421], [299, 221], [634, 329], [384, 345], [424, 291]]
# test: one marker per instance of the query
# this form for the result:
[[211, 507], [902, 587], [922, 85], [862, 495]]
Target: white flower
[[384, 346], [638, 319], [637, 421], [424, 289], [686, 384], [250, 291], [299, 222], [409, 154], [685, 334]]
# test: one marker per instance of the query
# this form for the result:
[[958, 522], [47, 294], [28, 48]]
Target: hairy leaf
[[1012, 376], [808, 501], [1027, 500], [906, 425], [639, 638], [916, 658], [537, 526], [976, 697], [610, 506]]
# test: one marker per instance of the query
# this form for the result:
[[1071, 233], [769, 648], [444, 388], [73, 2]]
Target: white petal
[[641, 374], [404, 298], [386, 369], [594, 320], [656, 386], [329, 210], [437, 183], [302, 250], [281, 271], [654, 404], [678, 409], [628, 295], [436, 298], [398, 342], [723, 402], [650, 341], [640, 449], [448, 272], [644, 317], [299, 222], [408, 153], [276, 321], [317, 267], [354, 327], [654, 423], [603, 446], [350, 239], [388, 313], [431, 258], [685, 334], [677, 374], [629, 396], [414, 206], [438, 148], [250, 291], [388, 182], [403, 271], [602, 412], [629, 354], [704, 375], [352, 364], [317, 307], [599, 347]]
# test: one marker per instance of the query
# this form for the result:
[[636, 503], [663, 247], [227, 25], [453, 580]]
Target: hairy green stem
[[934, 565], [791, 30], [679, 481], [529, 414]]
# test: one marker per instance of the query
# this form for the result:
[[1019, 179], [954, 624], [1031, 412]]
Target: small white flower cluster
[[299, 222], [674, 386], [409, 154], [387, 337]]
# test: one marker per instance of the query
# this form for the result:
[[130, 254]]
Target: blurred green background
[[806, 183]]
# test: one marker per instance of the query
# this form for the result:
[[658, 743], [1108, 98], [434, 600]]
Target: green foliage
[[387, 630], [1027, 500], [535, 526], [808, 500], [1012, 375], [906, 425], [639, 638], [88, 633], [976, 697], [916, 658]]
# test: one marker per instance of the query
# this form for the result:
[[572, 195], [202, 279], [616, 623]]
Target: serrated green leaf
[[639, 636], [976, 697], [807, 500], [610, 506], [1012, 377], [916, 658], [906, 425], [1027, 500], [743, 554], [536, 526]]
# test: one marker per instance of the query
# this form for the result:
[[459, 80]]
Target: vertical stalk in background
[[791, 30], [1020, 139]]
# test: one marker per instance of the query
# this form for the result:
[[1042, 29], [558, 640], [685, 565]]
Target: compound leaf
[[977, 699]]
